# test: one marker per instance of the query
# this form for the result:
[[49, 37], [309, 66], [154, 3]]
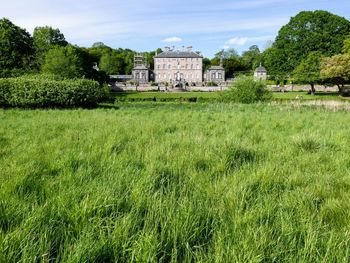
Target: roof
[[216, 68], [261, 69], [178, 54], [140, 67]]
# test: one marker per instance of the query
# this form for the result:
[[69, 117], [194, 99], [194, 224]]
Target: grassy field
[[212, 96], [171, 182]]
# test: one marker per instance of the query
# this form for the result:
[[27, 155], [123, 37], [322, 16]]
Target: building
[[178, 66], [215, 74], [141, 73], [260, 73]]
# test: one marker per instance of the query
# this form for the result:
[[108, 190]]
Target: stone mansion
[[177, 66]]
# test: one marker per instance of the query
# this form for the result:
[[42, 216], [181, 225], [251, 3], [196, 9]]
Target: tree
[[206, 64], [346, 46], [44, 38], [308, 31], [112, 63], [308, 71], [64, 61], [336, 69], [16, 47], [252, 57]]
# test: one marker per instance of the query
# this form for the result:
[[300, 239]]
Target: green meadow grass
[[169, 182], [213, 96]]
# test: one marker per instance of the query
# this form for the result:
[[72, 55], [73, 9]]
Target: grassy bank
[[175, 182]]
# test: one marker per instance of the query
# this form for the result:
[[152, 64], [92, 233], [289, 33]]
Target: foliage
[[346, 45], [64, 61], [175, 183], [308, 71], [112, 63], [336, 69], [252, 57], [247, 90], [16, 48], [44, 38], [308, 31], [49, 91]]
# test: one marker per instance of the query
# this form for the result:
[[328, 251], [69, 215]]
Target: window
[[191, 66], [169, 66], [163, 66]]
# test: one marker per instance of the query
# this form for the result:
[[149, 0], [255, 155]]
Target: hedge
[[48, 92]]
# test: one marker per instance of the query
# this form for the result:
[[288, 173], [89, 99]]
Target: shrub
[[211, 84], [247, 90], [44, 91]]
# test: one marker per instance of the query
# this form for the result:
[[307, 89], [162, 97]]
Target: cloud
[[238, 41], [172, 40]]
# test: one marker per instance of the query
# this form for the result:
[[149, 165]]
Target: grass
[[212, 96], [172, 182]]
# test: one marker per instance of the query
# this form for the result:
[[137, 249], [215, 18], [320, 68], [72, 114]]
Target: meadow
[[175, 182]]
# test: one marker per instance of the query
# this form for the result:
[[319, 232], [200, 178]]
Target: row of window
[[177, 59], [165, 66], [178, 76]]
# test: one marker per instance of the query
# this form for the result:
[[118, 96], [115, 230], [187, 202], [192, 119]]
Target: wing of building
[[174, 66]]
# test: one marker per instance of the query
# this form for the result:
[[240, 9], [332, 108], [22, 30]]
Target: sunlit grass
[[166, 182]]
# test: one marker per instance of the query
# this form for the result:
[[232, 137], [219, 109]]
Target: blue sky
[[144, 25]]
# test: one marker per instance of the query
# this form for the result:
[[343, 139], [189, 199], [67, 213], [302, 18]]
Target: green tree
[[44, 38], [308, 71], [16, 47], [308, 31], [64, 61], [336, 69], [206, 64], [112, 63], [252, 57], [346, 46]]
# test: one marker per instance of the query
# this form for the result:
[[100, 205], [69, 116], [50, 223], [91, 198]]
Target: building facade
[[260, 73], [215, 74], [141, 74], [175, 66]]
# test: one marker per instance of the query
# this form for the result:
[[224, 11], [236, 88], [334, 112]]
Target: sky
[[145, 25]]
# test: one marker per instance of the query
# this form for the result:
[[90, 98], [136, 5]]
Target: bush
[[45, 91], [211, 84], [247, 90]]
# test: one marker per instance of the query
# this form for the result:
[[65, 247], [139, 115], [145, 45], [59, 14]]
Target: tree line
[[313, 48]]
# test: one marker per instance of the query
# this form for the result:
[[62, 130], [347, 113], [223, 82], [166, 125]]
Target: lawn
[[172, 182], [213, 96]]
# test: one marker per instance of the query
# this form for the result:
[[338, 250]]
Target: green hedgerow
[[45, 91]]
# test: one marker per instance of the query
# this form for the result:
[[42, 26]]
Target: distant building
[[141, 73], [178, 66], [260, 73]]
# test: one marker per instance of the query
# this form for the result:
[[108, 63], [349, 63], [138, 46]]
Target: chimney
[[166, 49], [189, 49]]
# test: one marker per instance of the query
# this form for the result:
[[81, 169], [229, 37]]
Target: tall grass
[[175, 182]]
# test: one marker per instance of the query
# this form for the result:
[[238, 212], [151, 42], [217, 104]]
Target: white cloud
[[172, 40], [238, 41]]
